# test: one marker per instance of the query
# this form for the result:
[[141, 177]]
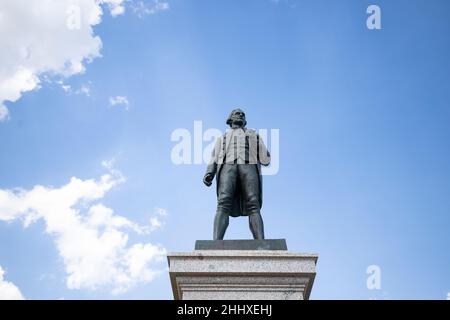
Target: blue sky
[[363, 117]]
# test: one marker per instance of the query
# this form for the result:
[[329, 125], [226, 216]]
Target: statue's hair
[[229, 121]]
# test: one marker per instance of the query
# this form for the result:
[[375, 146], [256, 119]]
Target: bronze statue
[[236, 160]]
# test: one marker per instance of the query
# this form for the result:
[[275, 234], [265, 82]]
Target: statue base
[[269, 244], [231, 273]]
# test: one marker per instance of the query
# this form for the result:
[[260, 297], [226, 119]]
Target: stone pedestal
[[230, 274]]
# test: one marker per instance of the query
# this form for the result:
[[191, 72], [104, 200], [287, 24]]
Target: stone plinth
[[242, 274]]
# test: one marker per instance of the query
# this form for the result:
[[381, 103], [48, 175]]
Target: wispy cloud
[[91, 239], [116, 7], [145, 8], [4, 113], [156, 221], [161, 211], [119, 100], [8, 290], [84, 89]]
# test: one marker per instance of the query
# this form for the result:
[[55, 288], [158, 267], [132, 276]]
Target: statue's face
[[238, 118]]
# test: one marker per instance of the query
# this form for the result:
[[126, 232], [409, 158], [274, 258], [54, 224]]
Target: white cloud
[[84, 89], [116, 7], [8, 291], [66, 87], [119, 100], [448, 296], [52, 37], [144, 8], [4, 113], [155, 221], [161, 212], [91, 239]]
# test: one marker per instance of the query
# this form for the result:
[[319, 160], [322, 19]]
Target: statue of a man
[[236, 160]]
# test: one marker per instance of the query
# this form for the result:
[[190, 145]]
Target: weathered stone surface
[[242, 274], [267, 244]]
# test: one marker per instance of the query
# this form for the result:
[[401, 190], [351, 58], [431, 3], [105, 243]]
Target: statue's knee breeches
[[224, 203], [226, 188], [249, 178], [252, 204], [241, 178]]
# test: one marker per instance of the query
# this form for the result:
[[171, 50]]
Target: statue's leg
[[220, 225], [249, 178], [225, 197], [256, 225]]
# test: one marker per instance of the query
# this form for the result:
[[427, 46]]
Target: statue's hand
[[207, 180]]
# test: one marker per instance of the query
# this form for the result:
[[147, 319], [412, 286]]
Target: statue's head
[[237, 119]]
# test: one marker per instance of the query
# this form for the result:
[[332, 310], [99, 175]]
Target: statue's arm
[[211, 169], [263, 153]]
